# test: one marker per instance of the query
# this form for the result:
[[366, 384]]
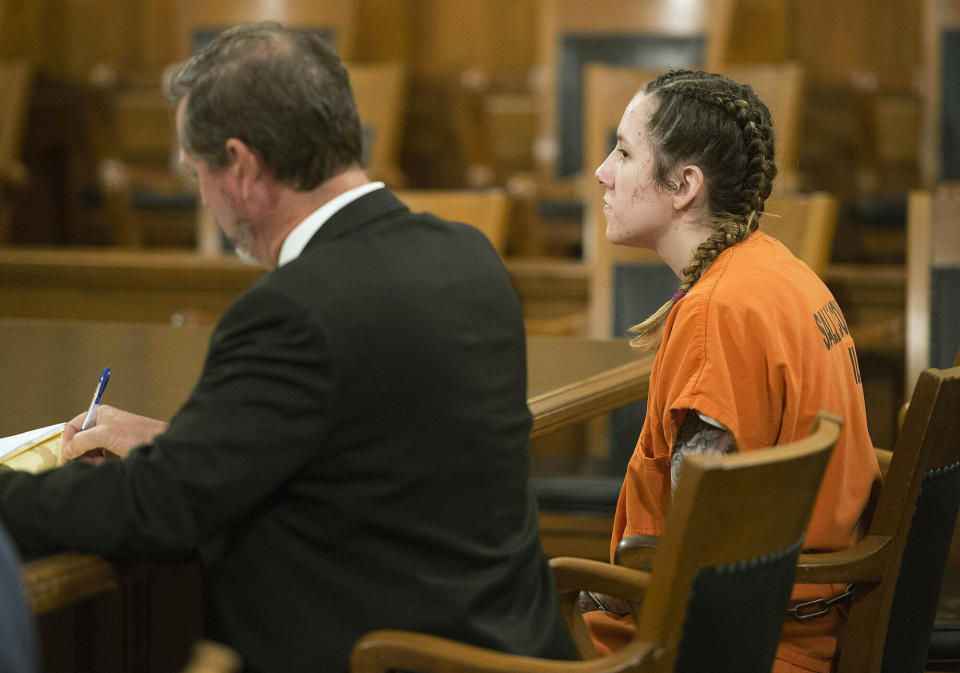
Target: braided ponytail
[[691, 124]]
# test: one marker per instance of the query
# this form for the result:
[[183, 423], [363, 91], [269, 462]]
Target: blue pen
[[92, 411]]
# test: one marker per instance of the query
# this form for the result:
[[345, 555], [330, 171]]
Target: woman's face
[[637, 209]]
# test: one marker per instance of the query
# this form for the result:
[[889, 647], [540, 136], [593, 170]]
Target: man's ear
[[244, 164], [692, 185]]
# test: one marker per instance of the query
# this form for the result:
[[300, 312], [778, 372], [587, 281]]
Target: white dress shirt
[[300, 235]]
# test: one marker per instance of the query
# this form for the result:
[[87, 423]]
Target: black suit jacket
[[353, 457]]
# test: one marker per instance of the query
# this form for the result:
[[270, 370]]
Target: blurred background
[[500, 98], [470, 111]]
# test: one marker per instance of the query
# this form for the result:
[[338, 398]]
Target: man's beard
[[243, 241], [243, 238]]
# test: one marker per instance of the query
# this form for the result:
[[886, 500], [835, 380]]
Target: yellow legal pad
[[37, 455]]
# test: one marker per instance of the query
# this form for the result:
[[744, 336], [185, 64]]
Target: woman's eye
[[623, 152]]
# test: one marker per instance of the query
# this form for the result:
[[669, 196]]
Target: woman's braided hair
[[723, 128]]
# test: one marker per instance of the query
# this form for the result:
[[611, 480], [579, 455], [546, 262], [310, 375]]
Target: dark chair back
[[736, 568], [897, 567], [914, 605]]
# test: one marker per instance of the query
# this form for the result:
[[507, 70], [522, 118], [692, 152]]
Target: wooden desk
[[573, 378], [55, 364]]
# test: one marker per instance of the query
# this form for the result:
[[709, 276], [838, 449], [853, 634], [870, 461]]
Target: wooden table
[[55, 364], [50, 367]]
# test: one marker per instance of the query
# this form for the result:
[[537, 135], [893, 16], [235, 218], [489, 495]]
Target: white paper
[[13, 443]]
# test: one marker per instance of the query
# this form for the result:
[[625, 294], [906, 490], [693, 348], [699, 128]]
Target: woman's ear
[[691, 186]]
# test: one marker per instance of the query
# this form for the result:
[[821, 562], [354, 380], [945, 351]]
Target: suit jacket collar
[[356, 214]]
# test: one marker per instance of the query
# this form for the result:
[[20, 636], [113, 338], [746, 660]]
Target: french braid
[[692, 125]]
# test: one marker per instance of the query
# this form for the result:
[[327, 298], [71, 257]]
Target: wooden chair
[[486, 210], [805, 224], [933, 279], [888, 137], [380, 92], [701, 566], [15, 84], [144, 198], [932, 329], [781, 87], [897, 567]]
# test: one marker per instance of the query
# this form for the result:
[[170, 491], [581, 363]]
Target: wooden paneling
[[442, 38], [459, 53], [489, 46], [80, 35], [383, 31], [20, 22], [759, 32], [837, 41], [492, 37], [156, 42], [337, 16]]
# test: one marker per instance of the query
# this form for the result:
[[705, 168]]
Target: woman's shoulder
[[759, 276]]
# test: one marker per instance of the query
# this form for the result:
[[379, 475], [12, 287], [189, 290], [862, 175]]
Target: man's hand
[[588, 601], [115, 431]]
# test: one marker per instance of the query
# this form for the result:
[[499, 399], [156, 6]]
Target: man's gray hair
[[283, 92]]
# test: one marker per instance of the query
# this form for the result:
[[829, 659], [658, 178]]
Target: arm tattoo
[[698, 436]]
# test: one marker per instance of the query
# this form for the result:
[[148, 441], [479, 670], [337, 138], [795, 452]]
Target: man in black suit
[[354, 455]]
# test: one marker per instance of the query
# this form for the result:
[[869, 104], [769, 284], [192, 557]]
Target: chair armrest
[[883, 459], [637, 551], [574, 575], [578, 574], [382, 651], [864, 562]]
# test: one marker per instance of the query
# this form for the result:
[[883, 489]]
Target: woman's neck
[[677, 245]]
